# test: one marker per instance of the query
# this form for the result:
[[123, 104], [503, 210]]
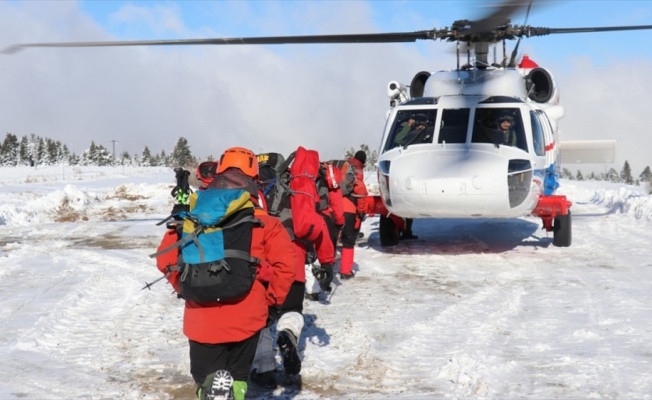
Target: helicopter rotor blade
[[537, 31], [396, 37]]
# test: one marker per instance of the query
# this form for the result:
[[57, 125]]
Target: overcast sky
[[275, 98]]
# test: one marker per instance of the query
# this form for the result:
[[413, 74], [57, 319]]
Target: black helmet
[[505, 117]]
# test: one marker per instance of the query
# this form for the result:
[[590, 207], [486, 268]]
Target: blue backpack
[[215, 262]]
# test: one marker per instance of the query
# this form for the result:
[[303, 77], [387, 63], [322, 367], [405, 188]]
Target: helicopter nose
[[458, 184]]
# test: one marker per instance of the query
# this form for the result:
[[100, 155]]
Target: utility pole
[[114, 142]]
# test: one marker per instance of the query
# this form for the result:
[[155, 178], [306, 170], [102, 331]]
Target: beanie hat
[[360, 156]]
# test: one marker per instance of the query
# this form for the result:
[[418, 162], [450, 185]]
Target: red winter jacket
[[359, 189], [224, 323], [308, 223]]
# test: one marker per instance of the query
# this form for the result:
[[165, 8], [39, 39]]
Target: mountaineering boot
[[346, 276], [217, 386], [265, 379], [407, 233], [346, 263], [287, 343], [312, 296]]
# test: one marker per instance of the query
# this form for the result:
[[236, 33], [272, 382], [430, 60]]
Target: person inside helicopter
[[499, 127], [505, 125], [406, 127], [416, 129]]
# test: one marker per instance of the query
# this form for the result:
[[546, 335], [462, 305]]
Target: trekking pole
[[149, 285]]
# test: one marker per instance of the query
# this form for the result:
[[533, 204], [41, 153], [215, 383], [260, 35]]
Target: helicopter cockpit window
[[412, 127], [500, 126], [454, 124]]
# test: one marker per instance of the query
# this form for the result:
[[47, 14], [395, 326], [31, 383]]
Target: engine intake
[[418, 85]]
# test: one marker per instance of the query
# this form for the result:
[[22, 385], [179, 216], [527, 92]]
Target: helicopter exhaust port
[[539, 85]]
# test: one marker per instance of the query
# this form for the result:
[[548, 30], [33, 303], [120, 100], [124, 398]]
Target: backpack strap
[[244, 255], [181, 242]]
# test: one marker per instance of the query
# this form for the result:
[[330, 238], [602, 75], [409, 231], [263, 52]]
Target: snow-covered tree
[[181, 155], [626, 174], [646, 175], [9, 150]]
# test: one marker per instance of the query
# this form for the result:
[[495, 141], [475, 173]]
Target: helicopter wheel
[[388, 234], [562, 230]]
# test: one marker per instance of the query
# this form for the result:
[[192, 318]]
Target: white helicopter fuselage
[[459, 165]]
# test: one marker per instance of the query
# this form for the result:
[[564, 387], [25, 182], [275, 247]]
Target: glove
[[324, 275], [273, 314], [311, 257]]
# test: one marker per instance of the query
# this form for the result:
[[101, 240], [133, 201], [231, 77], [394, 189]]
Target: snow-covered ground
[[474, 309]]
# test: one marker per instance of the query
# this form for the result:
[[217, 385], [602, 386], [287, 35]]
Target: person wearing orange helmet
[[223, 336]]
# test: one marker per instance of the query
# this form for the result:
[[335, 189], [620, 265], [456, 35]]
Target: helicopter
[[457, 162]]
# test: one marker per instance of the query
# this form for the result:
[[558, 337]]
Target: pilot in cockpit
[[506, 127], [414, 123]]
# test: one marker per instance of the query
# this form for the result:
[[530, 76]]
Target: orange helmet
[[241, 158]]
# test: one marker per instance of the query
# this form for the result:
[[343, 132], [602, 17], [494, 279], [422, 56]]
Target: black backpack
[[274, 183]]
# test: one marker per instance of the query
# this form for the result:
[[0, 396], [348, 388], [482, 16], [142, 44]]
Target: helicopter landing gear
[[562, 230], [389, 235], [554, 211]]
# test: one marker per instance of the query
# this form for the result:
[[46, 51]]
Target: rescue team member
[[223, 337], [355, 211]]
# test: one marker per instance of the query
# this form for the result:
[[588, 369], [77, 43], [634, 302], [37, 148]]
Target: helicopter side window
[[412, 127], [454, 124], [537, 134], [500, 126]]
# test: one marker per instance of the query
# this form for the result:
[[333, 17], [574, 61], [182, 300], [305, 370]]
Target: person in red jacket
[[223, 337], [355, 211], [304, 171]]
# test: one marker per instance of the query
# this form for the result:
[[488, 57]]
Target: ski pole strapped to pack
[[181, 192], [215, 262]]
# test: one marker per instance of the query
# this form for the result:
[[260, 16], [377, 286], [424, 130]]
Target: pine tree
[[23, 151], [565, 173], [579, 175], [626, 174], [9, 150], [146, 158], [181, 155], [646, 175], [612, 176]]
